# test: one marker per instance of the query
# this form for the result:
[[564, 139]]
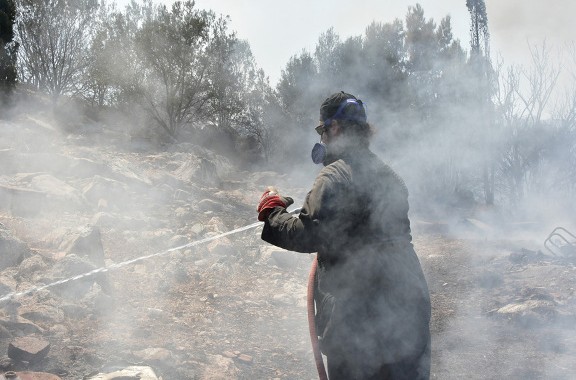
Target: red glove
[[269, 200]]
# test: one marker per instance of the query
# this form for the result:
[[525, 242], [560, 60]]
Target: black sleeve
[[300, 233]]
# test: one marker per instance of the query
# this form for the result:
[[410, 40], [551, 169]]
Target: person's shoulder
[[385, 171], [337, 170], [377, 162]]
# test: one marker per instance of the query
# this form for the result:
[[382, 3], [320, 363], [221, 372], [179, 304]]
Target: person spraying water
[[371, 298]]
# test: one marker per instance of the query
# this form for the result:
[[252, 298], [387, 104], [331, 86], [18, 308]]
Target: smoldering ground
[[235, 307], [197, 312]]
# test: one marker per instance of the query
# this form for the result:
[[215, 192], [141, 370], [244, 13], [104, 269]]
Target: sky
[[278, 30]]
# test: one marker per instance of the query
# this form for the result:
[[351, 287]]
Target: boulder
[[119, 221], [132, 372], [12, 250], [209, 205], [31, 193], [28, 349], [153, 355], [220, 368], [69, 267], [86, 243], [42, 314], [205, 168], [113, 192], [28, 375], [7, 284], [222, 247], [98, 301], [529, 312], [21, 202], [30, 266], [58, 192], [21, 326], [5, 334]]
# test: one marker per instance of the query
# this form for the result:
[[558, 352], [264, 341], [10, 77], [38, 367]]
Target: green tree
[[483, 89], [350, 65], [338, 62], [263, 112], [324, 55], [433, 59], [231, 74], [8, 47], [421, 41], [384, 57], [54, 38], [112, 78], [296, 90], [171, 45]]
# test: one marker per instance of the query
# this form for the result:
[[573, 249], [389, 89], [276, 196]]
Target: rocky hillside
[[113, 266]]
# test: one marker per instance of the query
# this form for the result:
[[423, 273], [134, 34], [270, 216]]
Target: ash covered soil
[[233, 307]]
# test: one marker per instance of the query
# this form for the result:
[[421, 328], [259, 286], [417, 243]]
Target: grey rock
[[87, 243], [7, 284], [75, 311], [284, 259], [28, 349], [42, 313], [154, 355], [21, 326], [97, 300], [209, 205], [30, 266], [59, 194], [180, 194], [21, 202], [530, 312], [197, 229], [219, 367], [12, 250], [5, 333], [71, 266], [132, 372], [114, 192]]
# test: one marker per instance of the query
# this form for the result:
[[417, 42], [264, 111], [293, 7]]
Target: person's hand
[[269, 200]]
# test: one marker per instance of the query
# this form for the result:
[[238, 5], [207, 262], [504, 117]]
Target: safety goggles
[[321, 129]]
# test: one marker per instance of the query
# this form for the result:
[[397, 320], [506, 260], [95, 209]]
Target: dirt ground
[[235, 307], [237, 314]]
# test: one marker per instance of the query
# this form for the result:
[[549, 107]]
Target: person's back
[[365, 203], [372, 300], [370, 268]]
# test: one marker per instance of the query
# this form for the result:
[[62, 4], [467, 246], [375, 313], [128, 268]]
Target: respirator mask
[[319, 153], [320, 148]]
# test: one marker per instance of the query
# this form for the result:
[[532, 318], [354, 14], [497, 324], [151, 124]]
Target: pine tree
[[482, 69]]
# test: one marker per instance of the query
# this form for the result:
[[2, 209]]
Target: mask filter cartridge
[[319, 153]]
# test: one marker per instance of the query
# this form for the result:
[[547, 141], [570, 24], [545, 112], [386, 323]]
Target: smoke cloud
[[147, 197]]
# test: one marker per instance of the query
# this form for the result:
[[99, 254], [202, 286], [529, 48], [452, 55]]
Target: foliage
[[263, 116], [54, 36], [170, 46], [8, 47], [538, 153], [476, 129], [112, 74], [478, 26]]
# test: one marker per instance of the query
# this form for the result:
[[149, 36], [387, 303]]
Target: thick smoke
[[61, 169], [528, 149]]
